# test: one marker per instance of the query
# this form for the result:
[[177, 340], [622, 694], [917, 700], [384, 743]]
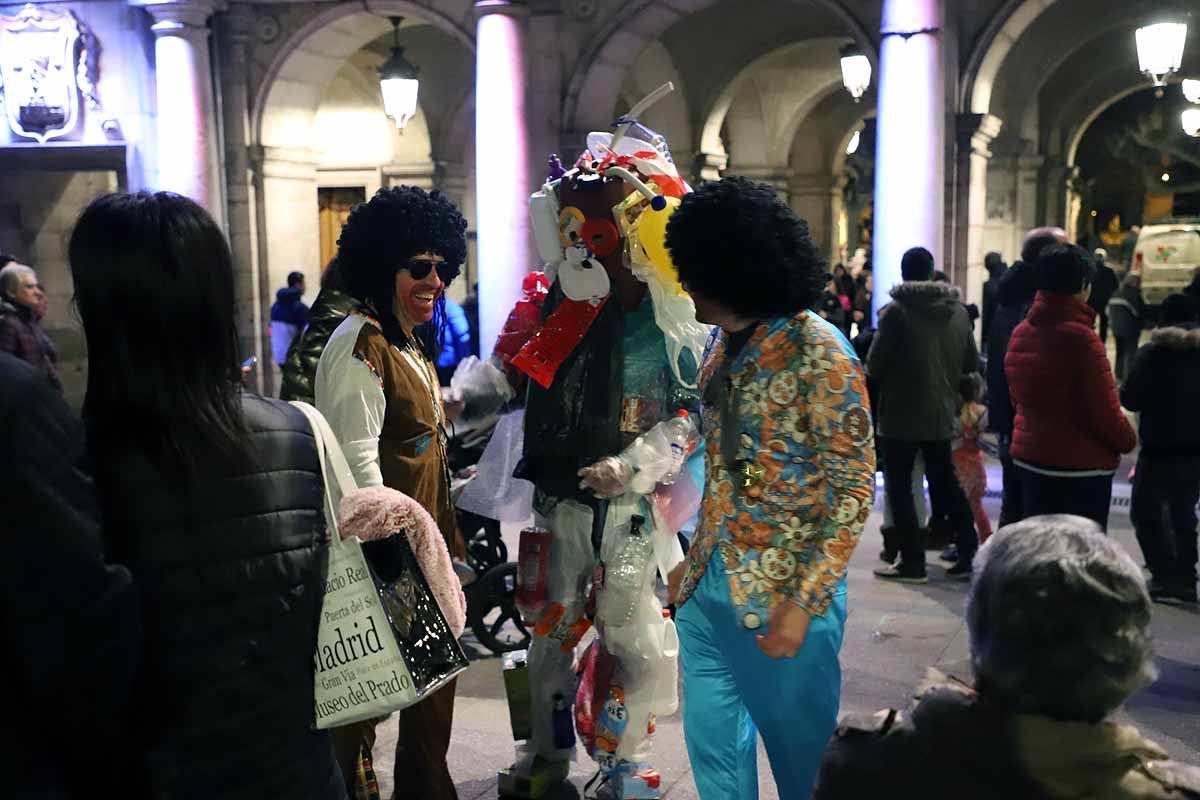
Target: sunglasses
[[419, 269]]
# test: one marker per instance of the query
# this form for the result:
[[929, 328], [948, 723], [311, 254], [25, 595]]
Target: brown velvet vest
[[412, 447]]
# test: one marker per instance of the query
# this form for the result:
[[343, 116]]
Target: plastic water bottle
[[679, 431]]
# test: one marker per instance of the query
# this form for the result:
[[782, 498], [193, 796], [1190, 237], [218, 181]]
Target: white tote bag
[[360, 671]]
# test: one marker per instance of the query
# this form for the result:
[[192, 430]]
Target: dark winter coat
[[231, 568], [1104, 286], [23, 337], [71, 628], [955, 745], [1163, 386], [300, 369], [1126, 311], [830, 308], [921, 351], [1062, 388], [1014, 296]]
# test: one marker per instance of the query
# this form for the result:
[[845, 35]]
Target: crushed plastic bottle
[[680, 432]]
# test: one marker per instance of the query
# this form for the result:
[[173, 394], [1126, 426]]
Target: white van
[[1166, 254]]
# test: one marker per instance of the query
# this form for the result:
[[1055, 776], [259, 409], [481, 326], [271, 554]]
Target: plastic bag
[[482, 386], [495, 493], [596, 670]]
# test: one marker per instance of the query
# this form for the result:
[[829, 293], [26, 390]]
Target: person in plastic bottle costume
[[612, 365]]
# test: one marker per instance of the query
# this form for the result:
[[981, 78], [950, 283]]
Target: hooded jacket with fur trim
[[921, 351], [1062, 387], [1163, 386]]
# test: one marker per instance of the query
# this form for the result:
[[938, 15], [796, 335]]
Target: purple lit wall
[[501, 164], [909, 149]]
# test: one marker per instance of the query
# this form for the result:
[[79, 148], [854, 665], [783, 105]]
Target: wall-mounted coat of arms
[[46, 72]]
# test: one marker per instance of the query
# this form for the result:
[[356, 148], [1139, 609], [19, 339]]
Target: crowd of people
[[164, 588]]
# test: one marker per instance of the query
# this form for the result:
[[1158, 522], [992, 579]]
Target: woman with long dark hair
[[213, 497], [377, 385]]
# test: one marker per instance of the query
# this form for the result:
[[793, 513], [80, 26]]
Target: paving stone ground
[[893, 633]]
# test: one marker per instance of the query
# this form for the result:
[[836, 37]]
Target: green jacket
[[300, 369], [922, 349]]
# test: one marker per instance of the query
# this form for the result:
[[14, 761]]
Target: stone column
[[502, 163], [974, 133], [909, 147], [1054, 195], [817, 197], [237, 35], [1025, 205], [185, 122]]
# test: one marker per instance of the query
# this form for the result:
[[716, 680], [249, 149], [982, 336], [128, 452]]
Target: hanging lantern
[[856, 71], [398, 81], [1160, 50], [1191, 90], [1191, 121]]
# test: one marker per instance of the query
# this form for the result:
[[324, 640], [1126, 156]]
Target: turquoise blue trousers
[[732, 691]]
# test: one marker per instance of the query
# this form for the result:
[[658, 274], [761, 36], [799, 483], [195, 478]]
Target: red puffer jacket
[[1062, 387]]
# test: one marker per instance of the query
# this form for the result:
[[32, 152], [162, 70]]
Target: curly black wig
[[735, 241], [382, 234]]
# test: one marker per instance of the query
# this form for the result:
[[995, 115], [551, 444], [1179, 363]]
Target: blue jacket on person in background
[[289, 315], [456, 337]]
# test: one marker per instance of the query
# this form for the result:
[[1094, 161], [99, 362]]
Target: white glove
[[609, 477]]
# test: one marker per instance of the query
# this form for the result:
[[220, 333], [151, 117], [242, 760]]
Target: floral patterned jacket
[[787, 510]]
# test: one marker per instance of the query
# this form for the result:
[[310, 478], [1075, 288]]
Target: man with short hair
[[922, 349], [1059, 625], [289, 315], [21, 297]]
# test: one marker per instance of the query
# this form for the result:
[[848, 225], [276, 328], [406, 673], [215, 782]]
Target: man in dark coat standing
[[1104, 286], [71, 622], [921, 351], [995, 266], [1163, 386]]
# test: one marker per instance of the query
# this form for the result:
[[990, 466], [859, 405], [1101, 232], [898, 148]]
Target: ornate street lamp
[[1160, 50], [1191, 90], [1191, 121], [398, 80], [856, 71]]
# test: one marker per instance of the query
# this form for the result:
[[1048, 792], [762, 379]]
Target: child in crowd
[[967, 456]]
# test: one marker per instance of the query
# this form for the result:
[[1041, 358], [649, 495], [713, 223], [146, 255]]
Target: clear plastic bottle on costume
[[533, 568], [625, 575], [680, 430]]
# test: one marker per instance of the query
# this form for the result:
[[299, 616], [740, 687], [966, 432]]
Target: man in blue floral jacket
[[789, 482]]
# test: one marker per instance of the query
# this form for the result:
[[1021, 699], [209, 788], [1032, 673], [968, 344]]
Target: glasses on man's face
[[420, 268]]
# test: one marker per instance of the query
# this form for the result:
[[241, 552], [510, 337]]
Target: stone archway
[[315, 121], [594, 87]]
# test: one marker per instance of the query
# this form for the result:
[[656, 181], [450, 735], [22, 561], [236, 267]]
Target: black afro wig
[[736, 242], [382, 234]]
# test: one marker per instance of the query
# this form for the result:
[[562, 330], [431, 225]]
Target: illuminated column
[[910, 143], [185, 122], [502, 166]]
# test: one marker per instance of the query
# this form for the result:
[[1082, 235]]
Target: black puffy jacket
[[1163, 386], [1014, 296], [69, 624], [300, 368], [231, 568]]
